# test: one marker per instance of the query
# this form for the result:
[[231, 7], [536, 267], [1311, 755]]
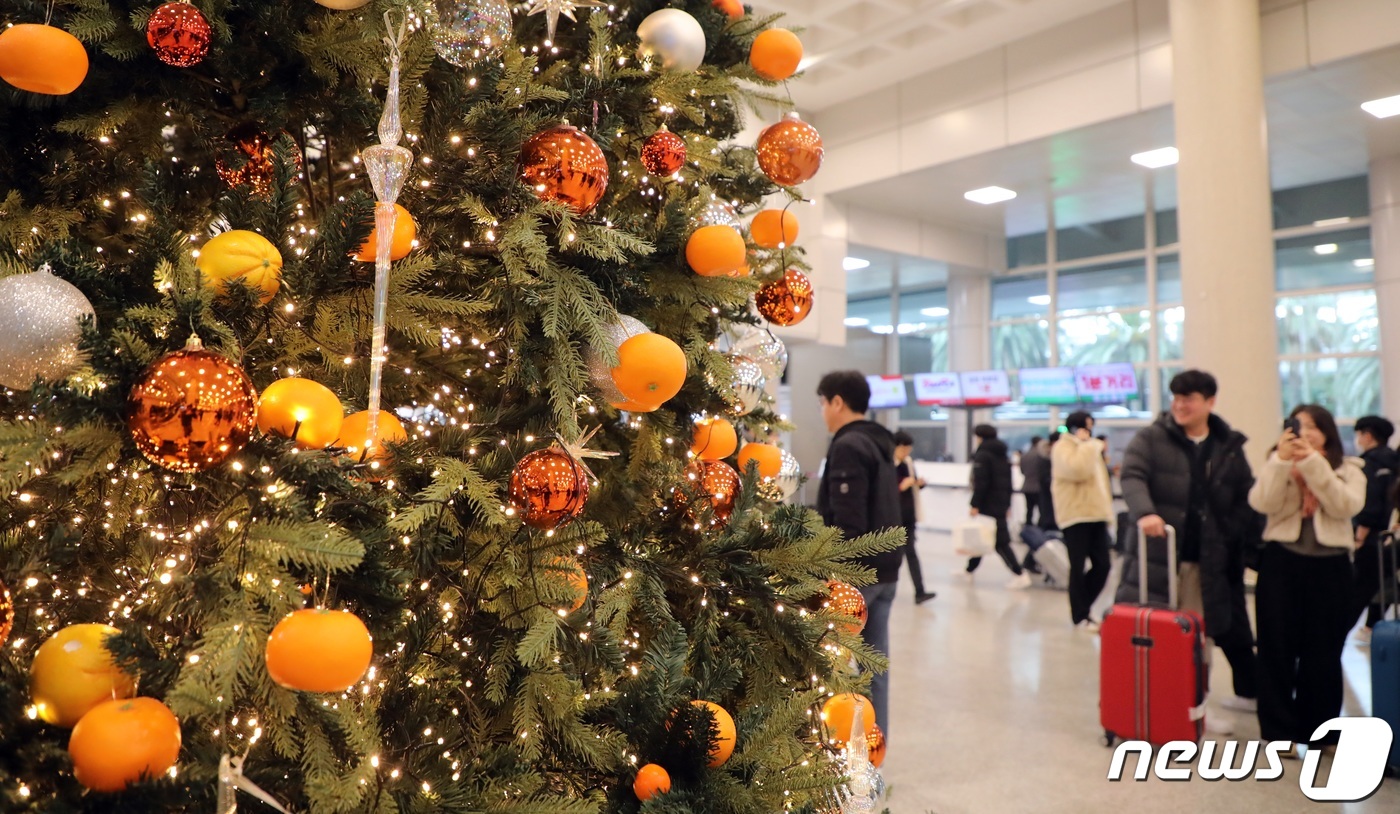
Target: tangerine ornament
[[774, 229], [319, 650], [878, 746], [239, 254], [73, 672], [121, 742], [720, 482], [303, 410], [355, 437], [577, 579], [787, 301], [775, 54], [651, 781], [565, 165], [714, 439], [405, 232], [847, 600], [7, 614], [839, 712], [790, 152], [650, 370], [42, 59], [179, 34], [732, 9], [725, 734], [663, 153], [768, 457], [548, 488], [716, 251], [192, 409]]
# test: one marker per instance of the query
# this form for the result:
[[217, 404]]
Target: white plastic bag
[[976, 537]]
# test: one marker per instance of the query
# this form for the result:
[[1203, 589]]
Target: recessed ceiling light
[[883, 329], [989, 195], [1364, 263], [1383, 108], [854, 264], [856, 322], [1039, 299], [935, 312], [1326, 248], [1154, 159]]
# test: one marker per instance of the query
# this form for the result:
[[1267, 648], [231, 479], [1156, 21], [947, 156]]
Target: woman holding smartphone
[[1309, 492]]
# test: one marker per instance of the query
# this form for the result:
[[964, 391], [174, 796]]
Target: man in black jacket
[[859, 494], [1188, 471], [991, 496], [1033, 460], [1372, 441]]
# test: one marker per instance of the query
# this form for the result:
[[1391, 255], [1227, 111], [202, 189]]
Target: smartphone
[[1291, 424]]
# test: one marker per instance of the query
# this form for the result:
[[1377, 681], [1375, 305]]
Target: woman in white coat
[[1309, 492]]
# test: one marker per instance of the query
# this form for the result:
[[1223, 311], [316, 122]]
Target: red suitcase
[[1152, 668]]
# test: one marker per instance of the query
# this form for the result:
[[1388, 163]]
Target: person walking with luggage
[[1380, 463], [909, 486], [1032, 461], [1304, 602], [991, 496], [859, 494], [1083, 506]]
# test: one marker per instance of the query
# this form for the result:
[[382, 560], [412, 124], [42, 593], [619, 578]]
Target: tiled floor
[[995, 709]]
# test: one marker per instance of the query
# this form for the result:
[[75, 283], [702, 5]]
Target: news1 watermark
[[1358, 765]]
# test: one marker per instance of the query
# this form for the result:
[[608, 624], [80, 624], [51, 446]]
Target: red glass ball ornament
[[720, 483], [663, 153], [787, 301], [179, 34], [847, 600], [565, 165], [548, 488], [790, 152], [252, 160], [192, 409]]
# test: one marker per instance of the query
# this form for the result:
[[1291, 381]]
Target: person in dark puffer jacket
[[991, 496], [1381, 465]]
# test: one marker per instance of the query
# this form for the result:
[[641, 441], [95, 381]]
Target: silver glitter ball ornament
[[468, 31], [789, 478], [746, 389], [769, 351], [40, 320], [716, 213], [599, 370]]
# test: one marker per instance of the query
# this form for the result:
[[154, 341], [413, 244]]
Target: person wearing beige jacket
[[1309, 492], [1083, 503]]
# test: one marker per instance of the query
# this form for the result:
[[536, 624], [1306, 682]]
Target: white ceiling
[[855, 45]]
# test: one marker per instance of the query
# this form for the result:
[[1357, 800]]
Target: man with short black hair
[[909, 485], [1032, 461], [991, 497], [1381, 463], [859, 494]]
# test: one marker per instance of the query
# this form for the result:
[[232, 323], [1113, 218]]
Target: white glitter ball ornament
[[40, 320]]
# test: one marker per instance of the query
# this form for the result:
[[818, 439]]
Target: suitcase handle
[[1171, 567]]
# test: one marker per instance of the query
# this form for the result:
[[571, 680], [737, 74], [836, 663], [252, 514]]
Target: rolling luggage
[[1385, 656], [1152, 667], [1125, 531], [1049, 552]]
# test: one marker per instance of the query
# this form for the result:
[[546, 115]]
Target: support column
[[1385, 243], [969, 316], [1225, 211]]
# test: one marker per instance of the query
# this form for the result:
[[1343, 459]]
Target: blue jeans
[[879, 599]]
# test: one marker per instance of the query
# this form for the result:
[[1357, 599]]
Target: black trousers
[[1003, 549], [1304, 607], [911, 556], [1032, 504], [1086, 541], [1369, 577]]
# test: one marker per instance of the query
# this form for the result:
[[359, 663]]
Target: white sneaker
[[1220, 725], [1090, 626], [1239, 704], [1019, 582], [1363, 637], [965, 576]]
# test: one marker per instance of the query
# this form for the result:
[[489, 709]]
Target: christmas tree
[[516, 576]]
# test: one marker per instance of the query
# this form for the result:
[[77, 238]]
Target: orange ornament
[[714, 439], [790, 152], [717, 251], [405, 232], [42, 59], [732, 9], [787, 301], [562, 164], [354, 436], [304, 410], [7, 613], [548, 488], [319, 651], [651, 781], [877, 744], [847, 600], [774, 229], [650, 370], [768, 457], [718, 480], [725, 735], [573, 573], [120, 742], [839, 713], [775, 54]]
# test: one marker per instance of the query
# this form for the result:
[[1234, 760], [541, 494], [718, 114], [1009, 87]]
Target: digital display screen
[[1048, 385], [1106, 384], [938, 389], [887, 392], [985, 388]]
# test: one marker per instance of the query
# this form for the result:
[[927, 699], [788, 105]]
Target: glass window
[[1171, 333], [1166, 228], [1026, 250], [869, 314], [1095, 239], [1342, 322], [1021, 344], [1100, 288], [1169, 278], [924, 352], [924, 307], [1020, 297], [1318, 261], [1349, 387], [1305, 206], [1101, 338]]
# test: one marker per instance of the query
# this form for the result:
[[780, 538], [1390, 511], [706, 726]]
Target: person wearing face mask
[[1304, 600], [1083, 506]]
